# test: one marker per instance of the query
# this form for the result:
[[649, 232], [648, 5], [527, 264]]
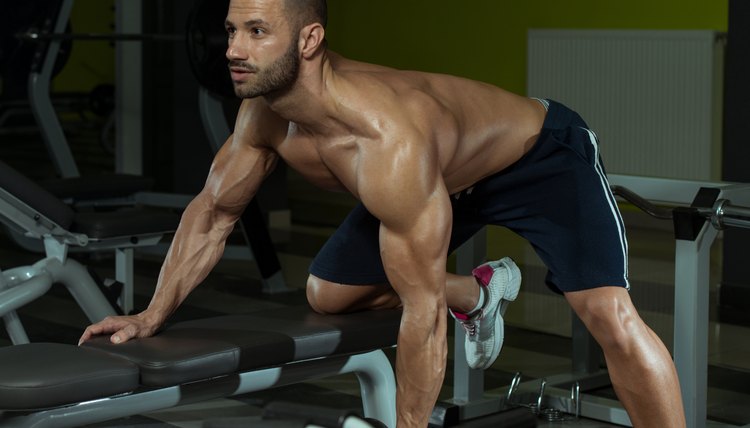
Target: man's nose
[[235, 50]]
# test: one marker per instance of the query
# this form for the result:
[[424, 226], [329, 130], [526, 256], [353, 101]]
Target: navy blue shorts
[[556, 196]]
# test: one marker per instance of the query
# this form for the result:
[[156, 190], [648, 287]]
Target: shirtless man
[[432, 158]]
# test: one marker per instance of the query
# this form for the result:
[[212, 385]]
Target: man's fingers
[[125, 334], [84, 337], [91, 331], [123, 329]]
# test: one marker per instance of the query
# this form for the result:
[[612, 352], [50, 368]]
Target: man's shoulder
[[256, 121], [258, 110], [392, 89]]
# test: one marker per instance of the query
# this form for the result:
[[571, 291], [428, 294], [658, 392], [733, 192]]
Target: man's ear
[[311, 39]]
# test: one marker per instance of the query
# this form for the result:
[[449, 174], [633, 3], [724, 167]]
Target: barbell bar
[[118, 37]]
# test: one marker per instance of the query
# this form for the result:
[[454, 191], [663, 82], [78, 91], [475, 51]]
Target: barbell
[[721, 214], [36, 35]]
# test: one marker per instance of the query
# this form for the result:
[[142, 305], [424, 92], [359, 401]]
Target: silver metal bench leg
[[124, 274], [378, 388], [19, 287], [80, 284], [691, 323]]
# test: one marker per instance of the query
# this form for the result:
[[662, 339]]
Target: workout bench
[[58, 385], [28, 210]]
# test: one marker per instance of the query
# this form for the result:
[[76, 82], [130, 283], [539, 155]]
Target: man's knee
[[328, 297], [609, 315], [318, 295]]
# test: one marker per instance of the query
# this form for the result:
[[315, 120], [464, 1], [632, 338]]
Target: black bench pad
[[314, 335], [103, 186], [40, 375], [172, 359], [97, 225], [43, 375], [124, 222], [198, 349]]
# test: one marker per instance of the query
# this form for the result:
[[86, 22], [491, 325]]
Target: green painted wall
[[480, 39], [486, 39], [91, 62]]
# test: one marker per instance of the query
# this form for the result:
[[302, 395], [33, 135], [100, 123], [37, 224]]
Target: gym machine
[[699, 210], [125, 189], [704, 209]]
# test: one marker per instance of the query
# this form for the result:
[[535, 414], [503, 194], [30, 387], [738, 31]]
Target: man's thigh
[[559, 199], [352, 254]]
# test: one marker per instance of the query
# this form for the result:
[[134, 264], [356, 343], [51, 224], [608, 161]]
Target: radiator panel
[[652, 97]]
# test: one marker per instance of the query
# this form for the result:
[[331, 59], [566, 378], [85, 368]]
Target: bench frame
[[373, 370]]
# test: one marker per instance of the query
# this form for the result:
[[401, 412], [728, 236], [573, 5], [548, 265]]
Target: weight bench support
[[377, 385], [62, 385]]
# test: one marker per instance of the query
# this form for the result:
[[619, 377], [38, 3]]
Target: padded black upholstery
[[100, 187], [124, 222], [96, 225], [314, 335], [42, 375], [35, 196], [172, 359], [193, 350]]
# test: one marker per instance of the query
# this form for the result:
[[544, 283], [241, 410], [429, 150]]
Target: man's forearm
[[196, 248], [417, 274], [420, 363]]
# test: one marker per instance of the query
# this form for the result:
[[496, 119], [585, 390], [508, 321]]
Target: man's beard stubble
[[272, 80]]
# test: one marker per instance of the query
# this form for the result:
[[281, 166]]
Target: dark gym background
[[486, 41]]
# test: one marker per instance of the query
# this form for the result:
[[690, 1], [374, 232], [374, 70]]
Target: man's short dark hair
[[306, 12]]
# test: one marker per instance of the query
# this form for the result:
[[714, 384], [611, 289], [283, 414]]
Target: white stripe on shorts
[[543, 102], [612, 203]]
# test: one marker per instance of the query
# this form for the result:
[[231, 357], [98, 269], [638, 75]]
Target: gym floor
[[234, 287]]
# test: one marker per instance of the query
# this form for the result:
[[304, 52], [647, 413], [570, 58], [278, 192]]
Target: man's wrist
[[152, 317]]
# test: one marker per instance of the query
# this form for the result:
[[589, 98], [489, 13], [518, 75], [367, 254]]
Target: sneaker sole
[[499, 339], [510, 294], [514, 284]]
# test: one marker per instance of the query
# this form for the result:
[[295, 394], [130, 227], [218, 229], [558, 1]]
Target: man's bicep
[[423, 220], [246, 158], [414, 250], [237, 172]]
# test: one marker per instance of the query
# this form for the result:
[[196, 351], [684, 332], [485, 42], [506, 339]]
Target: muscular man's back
[[478, 129]]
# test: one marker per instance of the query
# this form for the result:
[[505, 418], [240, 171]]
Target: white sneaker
[[485, 331]]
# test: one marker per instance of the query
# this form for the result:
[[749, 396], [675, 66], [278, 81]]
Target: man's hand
[[123, 327]]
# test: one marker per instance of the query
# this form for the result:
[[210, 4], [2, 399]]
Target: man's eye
[[231, 31], [257, 31]]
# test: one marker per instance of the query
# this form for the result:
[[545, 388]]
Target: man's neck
[[308, 103]]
